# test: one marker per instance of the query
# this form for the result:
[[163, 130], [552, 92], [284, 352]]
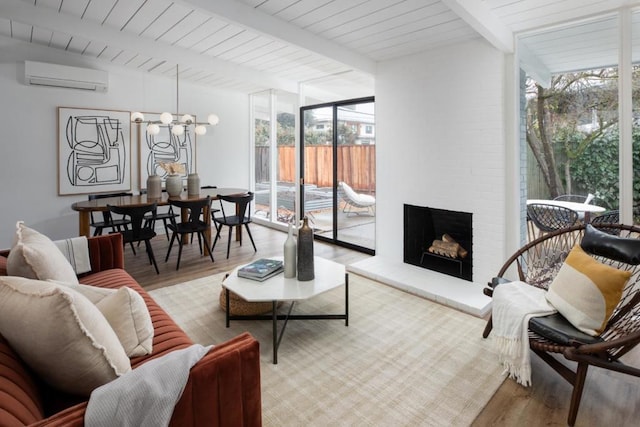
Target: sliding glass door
[[338, 171]]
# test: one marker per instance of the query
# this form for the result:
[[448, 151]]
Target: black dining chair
[[164, 216], [242, 217], [141, 230], [192, 225], [108, 221]]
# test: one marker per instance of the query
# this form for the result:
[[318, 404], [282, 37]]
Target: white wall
[[28, 160], [441, 143]]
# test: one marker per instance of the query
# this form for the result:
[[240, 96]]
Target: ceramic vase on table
[[193, 184], [174, 185], [305, 252], [290, 255], [154, 187]]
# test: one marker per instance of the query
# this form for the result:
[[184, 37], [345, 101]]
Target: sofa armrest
[[234, 368], [106, 252], [223, 390]]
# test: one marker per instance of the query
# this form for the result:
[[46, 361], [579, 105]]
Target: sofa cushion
[[586, 292], [60, 334], [35, 256]]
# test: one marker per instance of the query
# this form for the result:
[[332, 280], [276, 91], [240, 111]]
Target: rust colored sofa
[[223, 387]]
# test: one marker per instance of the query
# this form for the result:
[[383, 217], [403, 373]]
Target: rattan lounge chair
[[362, 203], [538, 262]]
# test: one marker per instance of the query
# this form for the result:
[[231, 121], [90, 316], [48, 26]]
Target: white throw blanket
[[514, 304], [145, 396], [76, 250]]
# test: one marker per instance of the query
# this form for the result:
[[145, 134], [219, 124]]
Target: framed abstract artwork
[[164, 147], [94, 151]]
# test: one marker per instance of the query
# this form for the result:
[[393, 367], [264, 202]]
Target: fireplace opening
[[440, 240]]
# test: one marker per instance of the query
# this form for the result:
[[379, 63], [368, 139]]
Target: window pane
[[286, 104], [262, 140], [572, 125]]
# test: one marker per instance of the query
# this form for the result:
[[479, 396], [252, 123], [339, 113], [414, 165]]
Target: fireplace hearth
[[424, 225]]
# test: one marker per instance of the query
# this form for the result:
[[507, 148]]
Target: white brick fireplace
[[440, 122]]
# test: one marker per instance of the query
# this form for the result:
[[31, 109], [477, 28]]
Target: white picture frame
[[94, 151]]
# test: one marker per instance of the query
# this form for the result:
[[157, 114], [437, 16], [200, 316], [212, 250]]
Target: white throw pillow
[[129, 317], [60, 334], [126, 312], [35, 256]]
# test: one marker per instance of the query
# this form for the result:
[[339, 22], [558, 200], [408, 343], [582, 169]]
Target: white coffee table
[[328, 275]]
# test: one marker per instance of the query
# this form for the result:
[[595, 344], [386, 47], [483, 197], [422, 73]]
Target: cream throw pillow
[[60, 334], [129, 317], [35, 256], [586, 292], [126, 312]]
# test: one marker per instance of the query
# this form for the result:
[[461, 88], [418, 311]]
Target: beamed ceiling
[[253, 45]]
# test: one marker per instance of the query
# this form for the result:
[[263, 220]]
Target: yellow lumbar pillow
[[586, 292]]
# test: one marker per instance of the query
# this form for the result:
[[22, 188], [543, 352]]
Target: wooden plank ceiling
[[253, 45]]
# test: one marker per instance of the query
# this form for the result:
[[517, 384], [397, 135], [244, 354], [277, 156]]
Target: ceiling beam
[[27, 13], [533, 66], [273, 27], [484, 21]]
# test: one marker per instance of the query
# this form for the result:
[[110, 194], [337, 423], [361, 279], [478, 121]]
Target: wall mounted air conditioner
[[44, 74]]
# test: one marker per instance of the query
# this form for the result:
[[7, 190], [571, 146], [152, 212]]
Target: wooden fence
[[356, 165]]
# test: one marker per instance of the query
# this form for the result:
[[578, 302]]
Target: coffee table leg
[[346, 299], [275, 332]]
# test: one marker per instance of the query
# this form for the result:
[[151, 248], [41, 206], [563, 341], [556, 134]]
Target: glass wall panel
[[635, 56], [338, 157], [572, 120], [286, 109], [261, 103], [356, 170]]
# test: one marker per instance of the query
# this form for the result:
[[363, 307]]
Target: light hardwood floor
[[609, 399]]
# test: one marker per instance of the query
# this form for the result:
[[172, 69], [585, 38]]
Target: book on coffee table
[[261, 269]]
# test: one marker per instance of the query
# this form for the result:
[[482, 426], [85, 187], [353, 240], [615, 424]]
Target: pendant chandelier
[[178, 124]]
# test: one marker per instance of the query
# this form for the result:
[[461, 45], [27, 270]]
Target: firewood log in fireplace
[[462, 252], [443, 248]]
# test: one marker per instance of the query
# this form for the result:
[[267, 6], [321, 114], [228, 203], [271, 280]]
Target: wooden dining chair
[[242, 217], [192, 225], [141, 230], [108, 221]]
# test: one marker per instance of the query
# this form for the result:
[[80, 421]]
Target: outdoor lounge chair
[[363, 202]]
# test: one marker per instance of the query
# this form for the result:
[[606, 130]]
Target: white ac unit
[[44, 74]]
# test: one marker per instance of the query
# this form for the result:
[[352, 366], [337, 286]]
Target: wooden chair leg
[[250, 237], [152, 258], [578, 387], [204, 238], [229, 241], [173, 237], [488, 327], [215, 240], [179, 252]]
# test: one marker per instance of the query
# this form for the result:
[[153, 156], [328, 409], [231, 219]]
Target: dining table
[[585, 208], [85, 207]]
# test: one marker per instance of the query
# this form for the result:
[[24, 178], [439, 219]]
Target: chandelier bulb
[[213, 119], [153, 129], [177, 130], [200, 130], [137, 117], [166, 118]]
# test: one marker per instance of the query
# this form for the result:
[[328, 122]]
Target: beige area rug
[[402, 361]]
